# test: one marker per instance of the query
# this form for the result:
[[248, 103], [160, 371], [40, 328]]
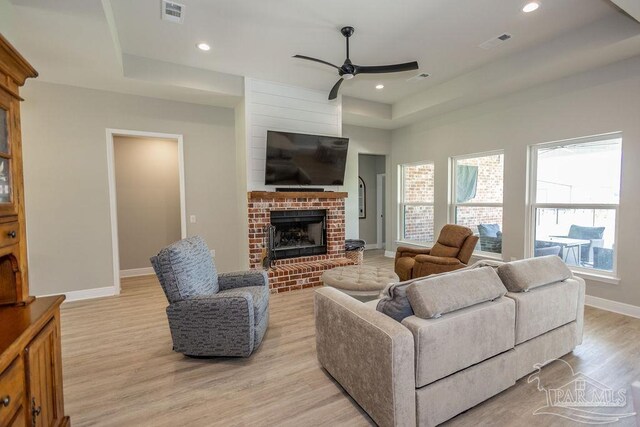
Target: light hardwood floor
[[119, 369]]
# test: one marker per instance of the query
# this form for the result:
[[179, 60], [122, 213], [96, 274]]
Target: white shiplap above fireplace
[[275, 106]]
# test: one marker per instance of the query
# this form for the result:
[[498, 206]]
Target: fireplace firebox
[[297, 233]]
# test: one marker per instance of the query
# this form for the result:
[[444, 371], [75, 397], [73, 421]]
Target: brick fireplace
[[307, 220]]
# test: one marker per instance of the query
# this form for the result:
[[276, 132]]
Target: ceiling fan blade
[[334, 90], [308, 58], [376, 69]]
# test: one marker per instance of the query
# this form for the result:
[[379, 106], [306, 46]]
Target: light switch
[[192, 219]]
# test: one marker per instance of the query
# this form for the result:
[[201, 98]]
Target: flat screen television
[[300, 159]]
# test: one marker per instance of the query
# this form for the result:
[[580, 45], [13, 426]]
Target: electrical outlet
[[213, 253], [192, 219]]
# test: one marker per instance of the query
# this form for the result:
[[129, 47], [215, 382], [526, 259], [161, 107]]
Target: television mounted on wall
[[301, 159]]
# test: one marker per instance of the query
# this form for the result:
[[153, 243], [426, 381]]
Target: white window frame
[[452, 194], [533, 206], [402, 203]]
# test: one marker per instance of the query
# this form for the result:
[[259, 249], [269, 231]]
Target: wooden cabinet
[[12, 391], [30, 355], [31, 364], [14, 286], [44, 377]]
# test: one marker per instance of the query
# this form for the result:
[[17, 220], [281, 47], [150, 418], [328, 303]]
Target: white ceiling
[[123, 45], [256, 38]]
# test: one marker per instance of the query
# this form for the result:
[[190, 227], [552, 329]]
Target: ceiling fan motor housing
[[347, 31]]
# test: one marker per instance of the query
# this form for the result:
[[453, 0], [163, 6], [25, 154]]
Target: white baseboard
[[390, 254], [371, 246], [614, 306], [134, 272], [83, 294]]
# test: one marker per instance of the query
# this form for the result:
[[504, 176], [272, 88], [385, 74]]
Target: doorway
[[146, 186], [371, 172]]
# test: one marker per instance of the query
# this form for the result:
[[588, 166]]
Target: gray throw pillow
[[394, 302], [433, 297], [525, 274]]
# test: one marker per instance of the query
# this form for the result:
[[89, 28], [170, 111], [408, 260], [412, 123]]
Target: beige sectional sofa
[[472, 334]]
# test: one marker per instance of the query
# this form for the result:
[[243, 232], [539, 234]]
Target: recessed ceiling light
[[530, 7], [204, 46], [379, 86]]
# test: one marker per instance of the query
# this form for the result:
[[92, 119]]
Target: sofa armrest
[[437, 260], [369, 354], [240, 279], [405, 251], [226, 320], [580, 310]]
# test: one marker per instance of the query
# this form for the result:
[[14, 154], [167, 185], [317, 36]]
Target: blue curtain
[[466, 183]]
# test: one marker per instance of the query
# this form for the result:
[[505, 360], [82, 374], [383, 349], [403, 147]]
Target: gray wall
[[362, 140], [596, 102], [148, 197], [6, 15], [66, 184], [369, 166]]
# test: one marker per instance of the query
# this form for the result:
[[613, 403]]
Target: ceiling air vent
[[495, 42], [419, 77], [172, 11]]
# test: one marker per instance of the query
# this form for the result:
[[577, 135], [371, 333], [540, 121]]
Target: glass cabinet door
[[5, 158]]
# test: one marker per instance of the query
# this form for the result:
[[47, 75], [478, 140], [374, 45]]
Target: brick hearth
[[302, 272]]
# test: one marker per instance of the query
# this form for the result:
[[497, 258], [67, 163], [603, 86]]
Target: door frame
[[381, 181], [113, 207]]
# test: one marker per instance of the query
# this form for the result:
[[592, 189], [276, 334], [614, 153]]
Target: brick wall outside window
[[489, 190], [418, 187]]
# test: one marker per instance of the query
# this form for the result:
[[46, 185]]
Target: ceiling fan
[[348, 70]]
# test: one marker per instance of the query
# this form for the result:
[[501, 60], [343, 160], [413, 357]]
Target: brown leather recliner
[[452, 251]]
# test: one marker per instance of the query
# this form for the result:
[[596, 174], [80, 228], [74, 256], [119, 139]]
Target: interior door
[[44, 378], [380, 211]]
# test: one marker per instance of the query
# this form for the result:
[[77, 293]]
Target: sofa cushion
[[545, 308], [444, 251], [394, 302], [588, 233], [434, 296], [185, 269], [460, 339], [525, 274]]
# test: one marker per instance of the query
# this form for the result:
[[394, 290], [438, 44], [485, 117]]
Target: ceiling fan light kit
[[348, 70]]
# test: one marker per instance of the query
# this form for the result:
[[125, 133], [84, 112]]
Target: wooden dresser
[[30, 356]]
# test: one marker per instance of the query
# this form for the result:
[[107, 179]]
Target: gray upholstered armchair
[[211, 314]]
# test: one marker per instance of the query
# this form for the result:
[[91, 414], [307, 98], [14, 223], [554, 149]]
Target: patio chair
[[490, 238], [593, 234]]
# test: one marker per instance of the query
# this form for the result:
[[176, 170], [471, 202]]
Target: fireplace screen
[[297, 233]]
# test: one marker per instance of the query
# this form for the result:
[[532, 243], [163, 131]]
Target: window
[[416, 203], [476, 197], [574, 201]]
